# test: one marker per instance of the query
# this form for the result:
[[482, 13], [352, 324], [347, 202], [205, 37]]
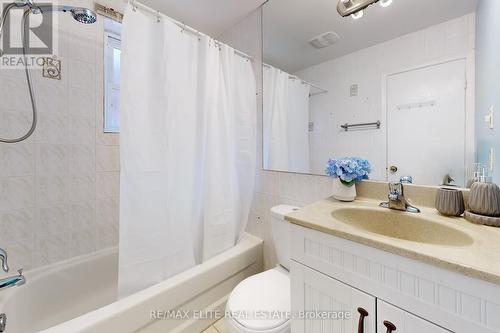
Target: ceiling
[[212, 17], [289, 24]]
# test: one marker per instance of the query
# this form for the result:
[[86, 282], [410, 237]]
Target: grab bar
[[346, 126]]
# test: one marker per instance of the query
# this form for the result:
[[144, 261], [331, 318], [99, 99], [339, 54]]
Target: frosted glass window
[[112, 55]]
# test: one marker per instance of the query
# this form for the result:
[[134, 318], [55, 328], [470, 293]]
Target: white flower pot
[[342, 192]]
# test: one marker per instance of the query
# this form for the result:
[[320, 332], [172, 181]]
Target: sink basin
[[399, 225]]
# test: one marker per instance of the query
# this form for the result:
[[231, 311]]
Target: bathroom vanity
[[393, 271]]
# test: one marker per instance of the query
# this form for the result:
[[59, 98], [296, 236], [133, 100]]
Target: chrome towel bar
[[346, 126]]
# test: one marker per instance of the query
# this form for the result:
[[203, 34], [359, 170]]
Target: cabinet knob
[[361, 323], [390, 326]]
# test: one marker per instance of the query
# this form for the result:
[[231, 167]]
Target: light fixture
[[357, 15], [349, 7], [385, 3]]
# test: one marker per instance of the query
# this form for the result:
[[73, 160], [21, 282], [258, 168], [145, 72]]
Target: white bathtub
[[79, 295]]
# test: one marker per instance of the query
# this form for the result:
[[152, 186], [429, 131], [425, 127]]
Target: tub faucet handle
[[20, 271], [3, 259]]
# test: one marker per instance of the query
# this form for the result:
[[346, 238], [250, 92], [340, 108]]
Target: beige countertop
[[479, 258]]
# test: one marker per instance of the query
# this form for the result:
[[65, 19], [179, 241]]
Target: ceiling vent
[[324, 40]]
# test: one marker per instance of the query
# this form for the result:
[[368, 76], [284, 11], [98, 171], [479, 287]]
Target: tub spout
[[12, 281]]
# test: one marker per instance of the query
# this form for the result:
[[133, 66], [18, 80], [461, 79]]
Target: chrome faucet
[[3, 259], [448, 180], [12, 281], [397, 199]]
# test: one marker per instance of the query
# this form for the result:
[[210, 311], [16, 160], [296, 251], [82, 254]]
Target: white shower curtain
[[187, 144], [275, 120], [286, 122]]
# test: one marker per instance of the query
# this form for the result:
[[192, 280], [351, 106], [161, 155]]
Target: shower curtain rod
[[136, 4], [295, 77]]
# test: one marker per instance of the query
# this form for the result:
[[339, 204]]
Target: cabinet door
[[391, 319], [323, 304]]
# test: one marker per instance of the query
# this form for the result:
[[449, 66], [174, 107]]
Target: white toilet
[[260, 303]]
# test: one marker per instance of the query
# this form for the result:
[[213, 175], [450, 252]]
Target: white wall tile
[[17, 193], [108, 184], [52, 159], [107, 212], [51, 189], [81, 74], [51, 248], [17, 160], [52, 220], [17, 225], [82, 215], [108, 158], [83, 242]]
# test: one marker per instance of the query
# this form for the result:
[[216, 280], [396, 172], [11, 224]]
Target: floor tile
[[211, 329], [221, 326]]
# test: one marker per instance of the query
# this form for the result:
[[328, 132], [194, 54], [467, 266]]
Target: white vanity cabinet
[[321, 304], [315, 294], [330, 273]]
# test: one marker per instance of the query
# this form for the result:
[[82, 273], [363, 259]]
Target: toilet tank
[[281, 230]]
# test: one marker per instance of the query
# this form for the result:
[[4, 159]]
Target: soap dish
[[482, 219]]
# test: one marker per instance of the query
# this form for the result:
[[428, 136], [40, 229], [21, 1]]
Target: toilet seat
[[261, 303], [235, 327]]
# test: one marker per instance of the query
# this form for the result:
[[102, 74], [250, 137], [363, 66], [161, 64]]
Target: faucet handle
[[20, 271], [3, 259], [406, 180]]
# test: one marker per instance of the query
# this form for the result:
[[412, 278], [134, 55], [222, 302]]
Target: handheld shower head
[[84, 15], [80, 14]]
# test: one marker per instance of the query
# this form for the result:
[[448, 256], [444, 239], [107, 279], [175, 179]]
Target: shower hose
[[24, 33]]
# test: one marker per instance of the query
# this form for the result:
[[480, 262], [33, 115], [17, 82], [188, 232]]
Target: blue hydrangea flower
[[350, 170]]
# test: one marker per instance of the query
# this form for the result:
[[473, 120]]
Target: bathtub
[[80, 295]]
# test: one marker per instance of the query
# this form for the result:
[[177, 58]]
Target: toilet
[[261, 303]]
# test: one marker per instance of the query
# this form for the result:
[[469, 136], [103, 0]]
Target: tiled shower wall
[[272, 188], [59, 189]]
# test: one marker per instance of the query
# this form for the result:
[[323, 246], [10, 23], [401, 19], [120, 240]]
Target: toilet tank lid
[[280, 211]]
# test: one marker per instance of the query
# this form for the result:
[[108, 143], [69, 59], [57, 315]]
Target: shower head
[[80, 14], [349, 7], [84, 15]]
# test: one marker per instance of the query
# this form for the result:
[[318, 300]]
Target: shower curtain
[[188, 149], [286, 122]]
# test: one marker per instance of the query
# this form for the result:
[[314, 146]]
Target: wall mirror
[[395, 85]]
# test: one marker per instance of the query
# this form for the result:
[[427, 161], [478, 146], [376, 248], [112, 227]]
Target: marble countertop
[[479, 259]]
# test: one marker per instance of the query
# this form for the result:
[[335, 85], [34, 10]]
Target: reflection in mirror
[[395, 86]]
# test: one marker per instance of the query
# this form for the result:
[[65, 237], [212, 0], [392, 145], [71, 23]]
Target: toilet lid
[[261, 302]]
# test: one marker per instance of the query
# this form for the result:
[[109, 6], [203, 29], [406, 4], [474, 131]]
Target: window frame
[[112, 41]]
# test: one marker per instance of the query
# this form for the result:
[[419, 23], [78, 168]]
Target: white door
[[391, 319], [323, 304], [426, 124]]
